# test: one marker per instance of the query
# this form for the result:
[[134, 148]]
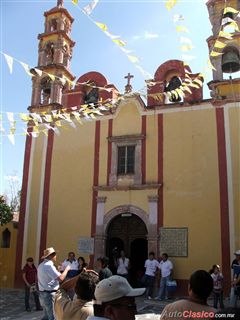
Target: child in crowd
[[217, 286]]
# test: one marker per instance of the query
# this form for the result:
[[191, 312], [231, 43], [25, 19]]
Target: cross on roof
[[128, 87]]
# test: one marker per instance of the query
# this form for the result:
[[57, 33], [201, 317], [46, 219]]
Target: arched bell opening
[[231, 61]]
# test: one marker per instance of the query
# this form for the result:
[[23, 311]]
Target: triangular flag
[[26, 68], [9, 61], [102, 26], [112, 36], [133, 58], [10, 116], [24, 117], [200, 82], [51, 76], [11, 138], [57, 131], [188, 57], [119, 42], [178, 17], [75, 2], [186, 47], [226, 35], [89, 8], [234, 25], [185, 40], [182, 29], [58, 123], [230, 9], [210, 65], [219, 44], [170, 4], [38, 71], [215, 54]]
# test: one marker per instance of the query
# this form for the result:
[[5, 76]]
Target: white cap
[[237, 253], [115, 287]]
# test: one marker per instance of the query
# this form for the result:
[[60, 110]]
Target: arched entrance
[[128, 232]]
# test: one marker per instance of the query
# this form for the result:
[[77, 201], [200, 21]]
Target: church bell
[[230, 62]]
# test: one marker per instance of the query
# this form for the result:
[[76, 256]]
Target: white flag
[[11, 138], [185, 40], [9, 61], [10, 116], [89, 8], [178, 17]]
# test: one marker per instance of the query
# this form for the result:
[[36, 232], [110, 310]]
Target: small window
[[6, 237], [126, 159]]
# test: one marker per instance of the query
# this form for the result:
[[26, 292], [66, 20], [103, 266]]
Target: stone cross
[[128, 87], [60, 3]]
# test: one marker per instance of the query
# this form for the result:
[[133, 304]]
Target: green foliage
[[5, 212]]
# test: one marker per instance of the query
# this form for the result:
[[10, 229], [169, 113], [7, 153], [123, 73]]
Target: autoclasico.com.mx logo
[[188, 314]]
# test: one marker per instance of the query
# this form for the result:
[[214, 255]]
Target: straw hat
[[47, 252]]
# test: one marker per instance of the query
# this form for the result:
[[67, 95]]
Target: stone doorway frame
[[103, 221]]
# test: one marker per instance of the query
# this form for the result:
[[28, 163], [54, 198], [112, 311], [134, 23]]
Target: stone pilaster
[[153, 230], [100, 236]]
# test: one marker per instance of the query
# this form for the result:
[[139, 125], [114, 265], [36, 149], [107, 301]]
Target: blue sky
[[147, 26]]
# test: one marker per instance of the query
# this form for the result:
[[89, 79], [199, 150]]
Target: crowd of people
[[71, 291]]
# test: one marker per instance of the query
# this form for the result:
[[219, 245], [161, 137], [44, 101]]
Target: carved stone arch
[[123, 209]]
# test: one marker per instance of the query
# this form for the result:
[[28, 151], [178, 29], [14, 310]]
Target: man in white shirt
[[73, 263], [151, 266], [48, 281], [166, 268], [123, 265]]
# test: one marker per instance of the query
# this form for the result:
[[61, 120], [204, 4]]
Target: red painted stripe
[[19, 248], [47, 177], [144, 131], [160, 170], [223, 187], [109, 160], [95, 183]]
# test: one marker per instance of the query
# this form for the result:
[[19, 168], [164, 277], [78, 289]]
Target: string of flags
[[43, 122]]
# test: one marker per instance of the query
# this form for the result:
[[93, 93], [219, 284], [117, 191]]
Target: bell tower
[[225, 43], [52, 74]]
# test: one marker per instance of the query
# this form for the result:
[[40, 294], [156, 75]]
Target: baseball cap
[[115, 287]]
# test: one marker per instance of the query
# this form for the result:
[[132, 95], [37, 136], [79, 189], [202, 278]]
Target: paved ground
[[12, 307]]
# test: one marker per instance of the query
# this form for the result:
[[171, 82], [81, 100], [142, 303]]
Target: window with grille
[[126, 159]]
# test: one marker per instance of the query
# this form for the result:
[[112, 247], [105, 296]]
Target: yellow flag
[[101, 26], [51, 76], [234, 25], [133, 58], [210, 65], [215, 54], [58, 123], [200, 82], [226, 35], [120, 43], [75, 2], [186, 88], [230, 9], [170, 4], [182, 29], [219, 44], [24, 117], [186, 47]]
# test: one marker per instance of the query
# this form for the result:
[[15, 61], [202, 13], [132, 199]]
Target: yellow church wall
[[234, 120], [191, 186], [53, 38], [70, 201], [127, 121], [138, 198], [152, 149], [35, 177], [7, 257], [103, 153]]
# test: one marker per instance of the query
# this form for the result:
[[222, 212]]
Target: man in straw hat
[[115, 299], [48, 281]]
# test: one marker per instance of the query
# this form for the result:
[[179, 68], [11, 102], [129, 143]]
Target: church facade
[[161, 175]]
